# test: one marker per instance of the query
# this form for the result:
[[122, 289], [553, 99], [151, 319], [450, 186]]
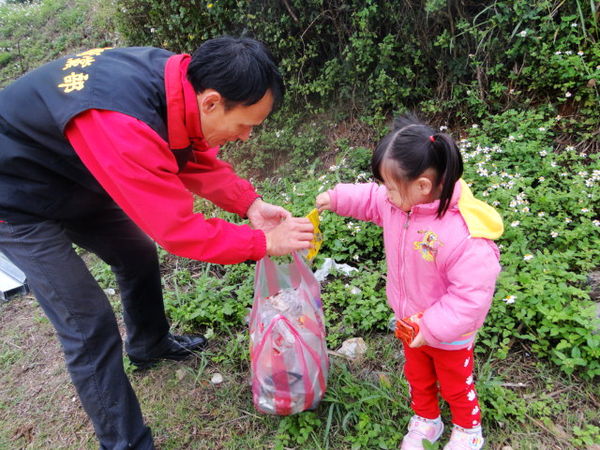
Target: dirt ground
[[36, 394]]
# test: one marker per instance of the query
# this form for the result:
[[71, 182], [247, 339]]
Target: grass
[[527, 401], [39, 408], [38, 32]]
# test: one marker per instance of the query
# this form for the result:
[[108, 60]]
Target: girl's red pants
[[450, 372]]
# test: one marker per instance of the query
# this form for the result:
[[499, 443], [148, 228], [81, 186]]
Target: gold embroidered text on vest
[[74, 82], [94, 51], [82, 62]]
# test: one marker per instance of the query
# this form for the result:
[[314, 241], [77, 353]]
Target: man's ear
[[209, 100]]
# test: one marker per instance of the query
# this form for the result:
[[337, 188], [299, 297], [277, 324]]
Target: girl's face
[[406, 194]]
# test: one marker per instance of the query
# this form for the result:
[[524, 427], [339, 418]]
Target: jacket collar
[[183, 115]]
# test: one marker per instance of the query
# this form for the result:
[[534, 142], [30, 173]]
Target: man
[[102, 149]]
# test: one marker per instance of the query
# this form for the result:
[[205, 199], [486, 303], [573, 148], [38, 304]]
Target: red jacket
[[138, 170]]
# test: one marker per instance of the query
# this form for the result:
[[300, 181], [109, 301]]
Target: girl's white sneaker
[[420, 428], [465, 439]]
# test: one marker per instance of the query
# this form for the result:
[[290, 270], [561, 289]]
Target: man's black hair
[[240, 69]]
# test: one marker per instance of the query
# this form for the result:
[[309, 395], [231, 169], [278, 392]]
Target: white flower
[[333, 168], [569, 148], [554, 234], [580, 53], [585, 210], [474, 126], [515, 223], [543, 153], [443, 128], [541, 129], [511, 138], [574, 25], [568, 94], [558, 53], [523, 33], [583, 155], [527, 257], [541, 179], [568, 220], [510, 299], [541, 214], [596, 223]]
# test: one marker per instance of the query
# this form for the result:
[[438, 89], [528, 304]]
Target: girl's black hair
[[240, 69], [415, 147]]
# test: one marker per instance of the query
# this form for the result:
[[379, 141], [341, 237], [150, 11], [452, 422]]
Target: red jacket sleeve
[[215, 180], [137, 169]]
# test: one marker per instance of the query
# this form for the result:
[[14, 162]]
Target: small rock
[[594, 282], [353, 348], [217, 378]]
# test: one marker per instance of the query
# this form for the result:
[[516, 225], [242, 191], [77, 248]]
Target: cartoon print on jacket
[[429, 245]]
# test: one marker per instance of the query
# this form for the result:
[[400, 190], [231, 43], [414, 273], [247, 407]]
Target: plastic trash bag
[[288, 352]]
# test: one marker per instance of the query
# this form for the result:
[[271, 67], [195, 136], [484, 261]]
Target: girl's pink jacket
[[445, 268]]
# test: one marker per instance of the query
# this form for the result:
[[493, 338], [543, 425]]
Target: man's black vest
[[40, 173]]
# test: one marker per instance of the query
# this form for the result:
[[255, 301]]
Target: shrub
[[468, 59]]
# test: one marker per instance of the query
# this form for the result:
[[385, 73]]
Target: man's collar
[[183, 115]]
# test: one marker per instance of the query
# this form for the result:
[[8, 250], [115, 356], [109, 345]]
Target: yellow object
[[482, 220], [313, 216]]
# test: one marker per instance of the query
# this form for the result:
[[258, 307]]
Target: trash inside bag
[[287, 339]]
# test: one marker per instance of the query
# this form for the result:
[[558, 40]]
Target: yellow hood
[[482, 220]]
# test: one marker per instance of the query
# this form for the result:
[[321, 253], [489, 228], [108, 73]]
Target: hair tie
[[431, 138]]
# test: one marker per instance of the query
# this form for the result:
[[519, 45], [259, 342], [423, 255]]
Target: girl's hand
[[418, 341], [323, 201]]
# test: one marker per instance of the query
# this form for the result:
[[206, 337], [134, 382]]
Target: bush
[[470, 59]]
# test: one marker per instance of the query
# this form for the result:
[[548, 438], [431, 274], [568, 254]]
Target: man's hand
[[323, 201], [266, 216], [293, 234]]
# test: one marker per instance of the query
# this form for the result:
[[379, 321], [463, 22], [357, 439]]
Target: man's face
[[220, 126]]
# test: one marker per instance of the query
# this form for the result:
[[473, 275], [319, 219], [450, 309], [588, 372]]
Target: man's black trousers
[[82, 315]]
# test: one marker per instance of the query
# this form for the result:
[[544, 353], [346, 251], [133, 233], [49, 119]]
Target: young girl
[[441, 262]]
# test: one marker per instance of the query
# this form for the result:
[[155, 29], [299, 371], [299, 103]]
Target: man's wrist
[[254, 204]]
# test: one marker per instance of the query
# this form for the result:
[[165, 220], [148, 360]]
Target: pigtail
[[450, 160]]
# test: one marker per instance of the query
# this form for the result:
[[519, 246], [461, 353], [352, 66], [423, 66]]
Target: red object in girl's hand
[[407, 328]]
